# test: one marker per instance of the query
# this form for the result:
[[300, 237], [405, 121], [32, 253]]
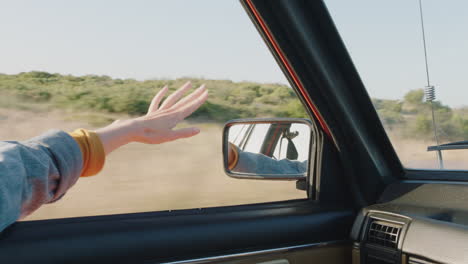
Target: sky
[[215, 39], [134, 39], [384, 40]]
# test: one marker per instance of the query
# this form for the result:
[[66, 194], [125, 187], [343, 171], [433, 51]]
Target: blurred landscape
[[408, 122], [102, 96], [188, 173], [184, 174], [99, 99], [411, 118]]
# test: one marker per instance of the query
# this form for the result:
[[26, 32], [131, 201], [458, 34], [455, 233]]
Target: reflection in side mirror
[[274, 148]]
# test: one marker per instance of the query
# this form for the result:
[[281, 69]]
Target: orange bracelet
[[236, 156], [92, 150]]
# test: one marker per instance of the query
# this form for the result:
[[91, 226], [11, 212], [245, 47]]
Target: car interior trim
[[436, 175], [260, 252], [289, 70]]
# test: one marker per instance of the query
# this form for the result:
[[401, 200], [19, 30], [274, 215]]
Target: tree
[[414, 97]]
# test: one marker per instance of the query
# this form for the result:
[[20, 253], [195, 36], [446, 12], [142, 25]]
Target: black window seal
[[436, 175]]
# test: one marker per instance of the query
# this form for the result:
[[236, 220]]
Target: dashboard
[[417, 223]]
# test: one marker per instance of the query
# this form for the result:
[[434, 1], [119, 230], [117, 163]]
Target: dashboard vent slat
[[383, 233]]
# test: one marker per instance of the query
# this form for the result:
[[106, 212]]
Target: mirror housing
[[254, 148]]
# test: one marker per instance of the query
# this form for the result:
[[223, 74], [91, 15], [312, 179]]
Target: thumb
[[184, 133]]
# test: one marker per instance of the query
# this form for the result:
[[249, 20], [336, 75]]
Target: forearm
[[261, 164], [42, 169], [92, 151], [117, 134], [157, 126], [35, 172], [96, 145]]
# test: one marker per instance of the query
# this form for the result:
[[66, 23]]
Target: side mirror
[[267, 148]]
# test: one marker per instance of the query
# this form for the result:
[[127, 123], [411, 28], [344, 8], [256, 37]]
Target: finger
[[157, 99], [182, 112], [189, 108], [175, 96], [184, 133], [190, 97]]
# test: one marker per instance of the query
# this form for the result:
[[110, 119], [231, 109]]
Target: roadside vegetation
[[104, 95], [412, 118], [97, 99]]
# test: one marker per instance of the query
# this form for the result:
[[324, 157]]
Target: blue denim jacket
[[260, 164], [35, 172]]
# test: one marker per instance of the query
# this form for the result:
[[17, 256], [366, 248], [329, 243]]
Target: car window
[[412, 56], [87, 64]]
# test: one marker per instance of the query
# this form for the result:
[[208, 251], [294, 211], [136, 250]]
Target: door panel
[[245, 234], [330, 253], [174, 236]]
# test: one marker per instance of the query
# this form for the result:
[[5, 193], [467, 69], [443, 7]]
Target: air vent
[[383, 233]]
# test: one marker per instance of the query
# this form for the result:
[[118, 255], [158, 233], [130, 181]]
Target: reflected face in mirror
[[280, 148]]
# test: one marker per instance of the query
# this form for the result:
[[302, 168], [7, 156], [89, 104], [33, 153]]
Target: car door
[[303, 40]]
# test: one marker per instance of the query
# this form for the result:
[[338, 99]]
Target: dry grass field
[[138, 178]]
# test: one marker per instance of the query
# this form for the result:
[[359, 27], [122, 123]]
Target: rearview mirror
[[267, 148]]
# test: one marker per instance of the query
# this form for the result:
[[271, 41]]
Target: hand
[[157, 125]]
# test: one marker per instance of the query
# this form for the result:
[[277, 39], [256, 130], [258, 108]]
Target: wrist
[[117, 134]]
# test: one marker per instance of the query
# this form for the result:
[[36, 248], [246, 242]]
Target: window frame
[[409, 173]]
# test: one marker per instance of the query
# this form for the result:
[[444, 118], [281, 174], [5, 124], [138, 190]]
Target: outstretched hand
[[157, 126]]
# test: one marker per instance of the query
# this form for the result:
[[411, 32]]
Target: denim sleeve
[[260, 164], [35, 172]]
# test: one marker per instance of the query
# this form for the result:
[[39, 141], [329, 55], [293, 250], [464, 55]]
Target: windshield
[[412, 57]]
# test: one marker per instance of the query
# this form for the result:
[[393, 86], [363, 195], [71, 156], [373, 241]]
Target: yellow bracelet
[[236, 157], [92, 150]]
